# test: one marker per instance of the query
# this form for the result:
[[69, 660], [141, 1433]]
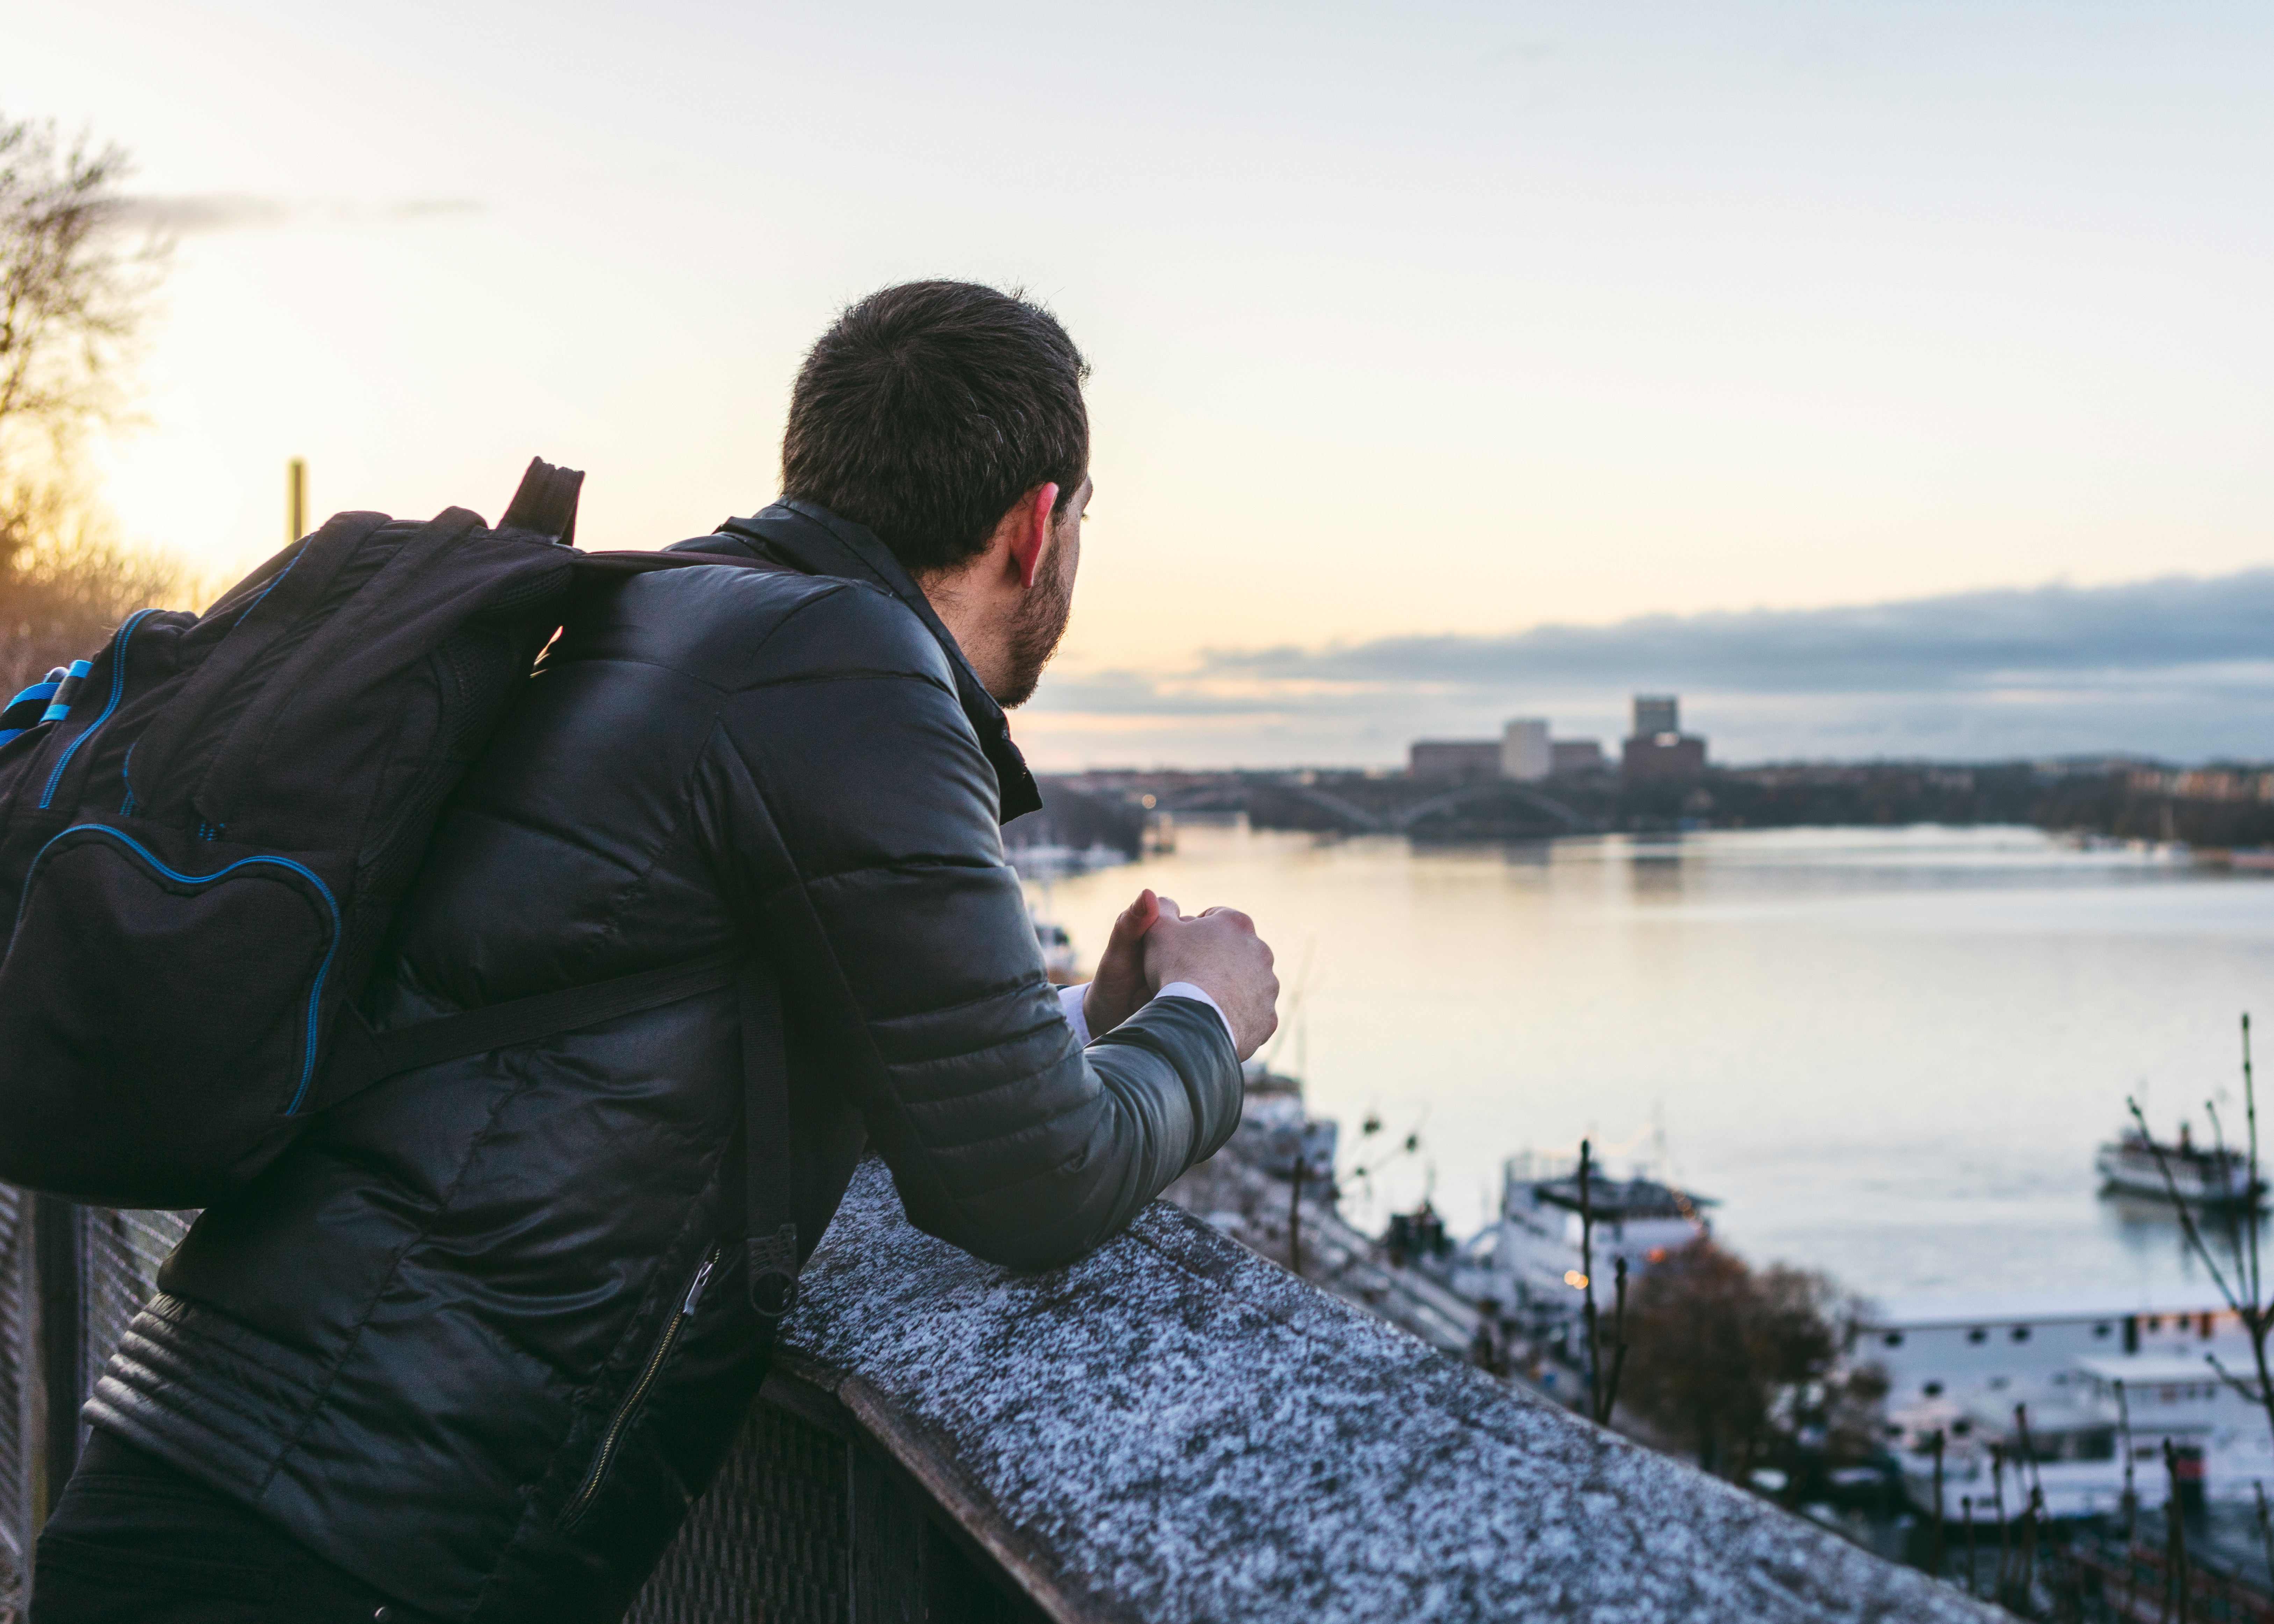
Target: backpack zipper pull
[[694, 1290]]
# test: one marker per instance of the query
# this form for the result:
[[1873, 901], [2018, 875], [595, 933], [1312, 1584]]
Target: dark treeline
[[2211, 808], [2126, 801]]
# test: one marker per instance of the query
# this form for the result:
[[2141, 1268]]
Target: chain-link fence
[[808, 1522], [120, 1252], [71, 1278]]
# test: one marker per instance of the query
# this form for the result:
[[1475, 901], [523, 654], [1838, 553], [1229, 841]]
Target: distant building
[[1525, 752], [1663, 756], [1658, 748], [1453, 758], [1526, 755], [1657, 713], [1575, 755]]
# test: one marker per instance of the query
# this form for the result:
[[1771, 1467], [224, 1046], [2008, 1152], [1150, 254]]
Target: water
[[1888, 1053]]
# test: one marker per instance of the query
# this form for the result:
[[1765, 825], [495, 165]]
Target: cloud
[[1961, 641], [2181, 667], [193, 213]]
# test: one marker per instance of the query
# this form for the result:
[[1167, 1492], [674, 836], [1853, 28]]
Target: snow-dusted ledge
[[1175, 1431]]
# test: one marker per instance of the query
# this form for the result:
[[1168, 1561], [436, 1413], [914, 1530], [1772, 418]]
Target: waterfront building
[[1659, 748], [2103, 1377], [1526, 754], [1933, 1346]]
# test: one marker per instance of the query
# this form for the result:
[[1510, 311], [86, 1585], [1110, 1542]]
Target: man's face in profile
[[1042, 619]]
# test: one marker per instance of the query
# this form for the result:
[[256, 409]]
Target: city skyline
[[2172, 669]]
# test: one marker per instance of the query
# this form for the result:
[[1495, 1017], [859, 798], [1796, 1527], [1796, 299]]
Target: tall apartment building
[[1526, 754], [1657, 713]]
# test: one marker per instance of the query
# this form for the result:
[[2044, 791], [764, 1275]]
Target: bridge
[[1410, 804]]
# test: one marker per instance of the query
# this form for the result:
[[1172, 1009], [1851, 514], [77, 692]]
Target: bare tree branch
[[73, 298], [75, 294]]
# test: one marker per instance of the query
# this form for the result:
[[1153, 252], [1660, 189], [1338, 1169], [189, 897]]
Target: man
[[469, 1348]]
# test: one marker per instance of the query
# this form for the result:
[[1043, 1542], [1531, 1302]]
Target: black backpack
[[206, 829]]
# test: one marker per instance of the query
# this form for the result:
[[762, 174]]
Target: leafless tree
[[75, 297], [1744, 1363], [2238, 1215], [74, 294]]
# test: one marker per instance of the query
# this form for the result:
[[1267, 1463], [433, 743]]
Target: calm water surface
[[1888, 1053]]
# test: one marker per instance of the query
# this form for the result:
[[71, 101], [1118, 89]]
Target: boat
[[1533, 1254], [2136, 1164], [1058, 960]]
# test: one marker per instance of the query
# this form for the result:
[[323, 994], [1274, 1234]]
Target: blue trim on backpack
[[274, 581], [315, 992], [118, 689], [41, 691], [71, 679]]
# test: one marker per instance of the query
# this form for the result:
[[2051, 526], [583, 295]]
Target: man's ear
[[1031, 530]]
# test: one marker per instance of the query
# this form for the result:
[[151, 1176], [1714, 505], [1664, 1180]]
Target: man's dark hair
[[931, 408]]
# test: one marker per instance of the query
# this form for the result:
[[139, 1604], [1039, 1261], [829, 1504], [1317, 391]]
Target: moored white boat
[[1533, 1255], [2138, 1165]]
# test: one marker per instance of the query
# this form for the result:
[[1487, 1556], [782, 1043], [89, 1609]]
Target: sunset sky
[[1844, 366]]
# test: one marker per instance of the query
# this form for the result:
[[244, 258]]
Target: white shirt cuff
[[1070, 1002], [1070, 1005]]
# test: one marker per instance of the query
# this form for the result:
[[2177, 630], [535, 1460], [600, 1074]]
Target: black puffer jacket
[[419, 1342]]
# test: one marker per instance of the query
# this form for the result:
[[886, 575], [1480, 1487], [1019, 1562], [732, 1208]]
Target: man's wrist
[[1199, 994]]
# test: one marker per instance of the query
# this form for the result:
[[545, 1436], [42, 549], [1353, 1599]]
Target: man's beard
[[1035, 635]]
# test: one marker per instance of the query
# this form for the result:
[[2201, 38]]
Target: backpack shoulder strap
[[545, 503], [770, 1229], [633, 562], [363, 1056]]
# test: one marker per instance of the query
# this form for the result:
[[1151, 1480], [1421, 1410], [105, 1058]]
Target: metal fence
[[809, 1522], [16, 1428], [1172, 1427], [71, 1278], [118, 1270]]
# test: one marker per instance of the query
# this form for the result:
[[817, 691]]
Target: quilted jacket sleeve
[[852, 819]]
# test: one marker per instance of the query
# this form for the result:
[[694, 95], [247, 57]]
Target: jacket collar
[[816, 541]]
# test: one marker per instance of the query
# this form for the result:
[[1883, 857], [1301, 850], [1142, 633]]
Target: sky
[[1452, 361]]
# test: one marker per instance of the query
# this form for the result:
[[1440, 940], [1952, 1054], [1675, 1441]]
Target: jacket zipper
[[622, 1419]]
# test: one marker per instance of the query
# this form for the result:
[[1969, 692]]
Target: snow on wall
[[1179, 1430]]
